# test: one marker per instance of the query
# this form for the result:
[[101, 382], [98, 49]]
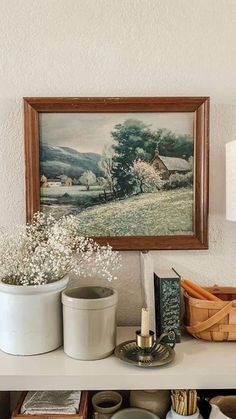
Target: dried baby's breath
[[48, 249]]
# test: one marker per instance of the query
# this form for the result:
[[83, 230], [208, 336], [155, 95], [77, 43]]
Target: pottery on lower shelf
[[106, 403], [223, 407], [157, 401], [173, 415], [134, 413], [89, 322]]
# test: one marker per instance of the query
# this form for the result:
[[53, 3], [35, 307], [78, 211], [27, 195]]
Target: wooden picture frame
[[197, 106]]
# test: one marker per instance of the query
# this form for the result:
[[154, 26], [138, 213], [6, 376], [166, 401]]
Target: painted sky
[[90, 132]]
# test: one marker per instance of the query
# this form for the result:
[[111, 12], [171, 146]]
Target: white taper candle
[[145, 322]]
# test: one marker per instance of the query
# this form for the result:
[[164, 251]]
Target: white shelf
[[197, 364]]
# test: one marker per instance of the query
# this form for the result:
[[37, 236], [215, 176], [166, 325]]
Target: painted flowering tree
[[88, 178], [145, 176]]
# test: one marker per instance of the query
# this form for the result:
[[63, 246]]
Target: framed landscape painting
[[134, 171]]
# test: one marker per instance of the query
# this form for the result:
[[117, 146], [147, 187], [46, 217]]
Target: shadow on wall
[[128, 286]]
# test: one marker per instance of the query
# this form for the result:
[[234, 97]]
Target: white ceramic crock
[[31, 318], [89, 322], [173, 415], [223, 407]]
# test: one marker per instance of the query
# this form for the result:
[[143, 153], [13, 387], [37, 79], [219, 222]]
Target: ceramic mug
[[105, 403]]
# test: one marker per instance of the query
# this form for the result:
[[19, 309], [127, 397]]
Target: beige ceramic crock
[[89, 322], [157, 401]]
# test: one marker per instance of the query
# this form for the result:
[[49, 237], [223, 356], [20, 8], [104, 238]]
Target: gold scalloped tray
[[130, 353]]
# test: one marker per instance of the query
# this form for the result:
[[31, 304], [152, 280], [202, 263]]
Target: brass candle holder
[[146, 351], [145, 343]]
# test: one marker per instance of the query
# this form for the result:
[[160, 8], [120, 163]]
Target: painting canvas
[[120, 174], [134, 171]]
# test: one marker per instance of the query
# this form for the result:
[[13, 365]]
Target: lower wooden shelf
[[198, 364]]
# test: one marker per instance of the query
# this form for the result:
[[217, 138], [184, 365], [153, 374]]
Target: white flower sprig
[[48, 249]]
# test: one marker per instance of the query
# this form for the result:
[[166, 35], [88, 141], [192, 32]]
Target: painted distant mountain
[[56, 161]]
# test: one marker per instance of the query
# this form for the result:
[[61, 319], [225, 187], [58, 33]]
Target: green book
[[167, 303]]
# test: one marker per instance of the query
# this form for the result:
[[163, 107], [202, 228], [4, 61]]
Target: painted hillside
[[65, 160]]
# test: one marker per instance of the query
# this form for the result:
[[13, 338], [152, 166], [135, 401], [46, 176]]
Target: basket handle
[[201, 327]]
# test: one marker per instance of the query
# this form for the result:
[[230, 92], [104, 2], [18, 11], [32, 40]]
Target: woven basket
[[212, 320]]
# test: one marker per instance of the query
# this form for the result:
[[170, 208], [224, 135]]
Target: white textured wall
[[126, 48]]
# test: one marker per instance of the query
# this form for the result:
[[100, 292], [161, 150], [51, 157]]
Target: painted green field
[[160, 213], [73, 195]]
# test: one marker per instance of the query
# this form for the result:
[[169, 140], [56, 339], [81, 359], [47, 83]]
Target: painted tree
[[43, 179], [191, 162], [88, 178], [107, 165], [66, 180], [63, 178], [101, 181], [179, 180], [75, 181], [145, 176], [172, 145], [133, 140]]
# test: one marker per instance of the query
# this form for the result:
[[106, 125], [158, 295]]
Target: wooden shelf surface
[[198, 364]]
